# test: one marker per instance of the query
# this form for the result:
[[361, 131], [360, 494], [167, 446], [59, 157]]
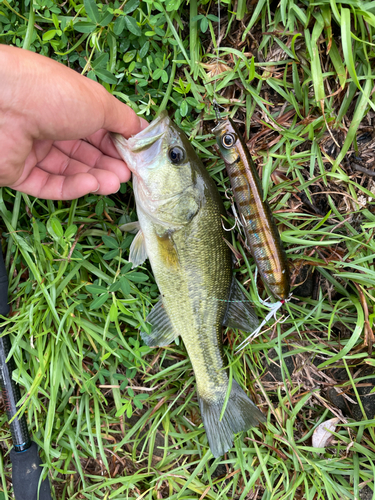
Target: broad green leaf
[[204, 25], [132, 26], [144, 49], [84, 27], [70, 231], [110, 242], [130, 6], [92, 10], [95, 289], [55, 229], [137, 277], [125, 286], [126, 268], [113, 312], [171, 5], [138, 403], [129, 55], [101, 61], [184, 108], [119, 25], [99, 301], [156, 75], [105, 75], [193, 102], [106, 18], [48, 35], [111, 254], [114, 287]]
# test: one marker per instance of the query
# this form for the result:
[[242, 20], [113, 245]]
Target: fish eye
[[228, 140], [176, 155]]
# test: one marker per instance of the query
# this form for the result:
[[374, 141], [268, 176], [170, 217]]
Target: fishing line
[[215, 103]]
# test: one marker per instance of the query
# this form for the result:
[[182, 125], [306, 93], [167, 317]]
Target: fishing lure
[[255, 214]]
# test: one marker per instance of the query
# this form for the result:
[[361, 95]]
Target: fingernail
[[97, 189]]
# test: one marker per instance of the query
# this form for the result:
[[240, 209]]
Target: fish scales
[[180, 219], [255, 214], [201, 288]]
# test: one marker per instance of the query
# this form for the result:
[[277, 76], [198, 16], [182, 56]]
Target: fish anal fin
[[162, 332], [240, 312], [138, 253], [240, 415]]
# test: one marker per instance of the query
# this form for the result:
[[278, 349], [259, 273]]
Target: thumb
[[120, 118]]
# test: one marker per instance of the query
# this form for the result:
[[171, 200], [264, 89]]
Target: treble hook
[[216, 109], [230, 229], [228, 196]]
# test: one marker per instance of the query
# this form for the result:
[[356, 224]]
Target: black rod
[[11, 395], [9, 388], [26, 463]]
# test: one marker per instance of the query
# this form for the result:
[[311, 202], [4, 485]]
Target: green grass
[[117, 420]]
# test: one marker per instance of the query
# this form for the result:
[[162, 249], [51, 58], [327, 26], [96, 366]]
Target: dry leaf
[[322, 434], [216, 68]]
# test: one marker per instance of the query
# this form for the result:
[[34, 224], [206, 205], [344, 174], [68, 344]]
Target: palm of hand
[[66, 170]]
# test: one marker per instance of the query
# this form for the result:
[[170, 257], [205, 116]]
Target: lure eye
[[228, 140], [176, 155]]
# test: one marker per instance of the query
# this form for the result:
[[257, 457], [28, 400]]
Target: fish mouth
[[127, 148]]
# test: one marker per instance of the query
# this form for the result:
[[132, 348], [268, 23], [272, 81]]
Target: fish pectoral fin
[[130, 227], [240, 415], [240, 312], [138, 253], [162, 332]]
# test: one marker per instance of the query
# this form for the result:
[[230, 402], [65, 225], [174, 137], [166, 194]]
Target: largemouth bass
[[261, 232], [180, 230]]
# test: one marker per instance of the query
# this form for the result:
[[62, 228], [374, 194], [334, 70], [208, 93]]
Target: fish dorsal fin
[[138, 253], [130, 227], [240, 313], [162, 332]]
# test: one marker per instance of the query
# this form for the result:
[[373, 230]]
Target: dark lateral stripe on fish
[[236, 173], [271, 271], [258, 230], [250, 205], [243, 203], [241, 188]]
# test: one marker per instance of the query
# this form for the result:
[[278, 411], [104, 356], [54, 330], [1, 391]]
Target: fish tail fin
[[240, 415]]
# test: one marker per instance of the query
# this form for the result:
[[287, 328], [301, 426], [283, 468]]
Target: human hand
[[54, 124]]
